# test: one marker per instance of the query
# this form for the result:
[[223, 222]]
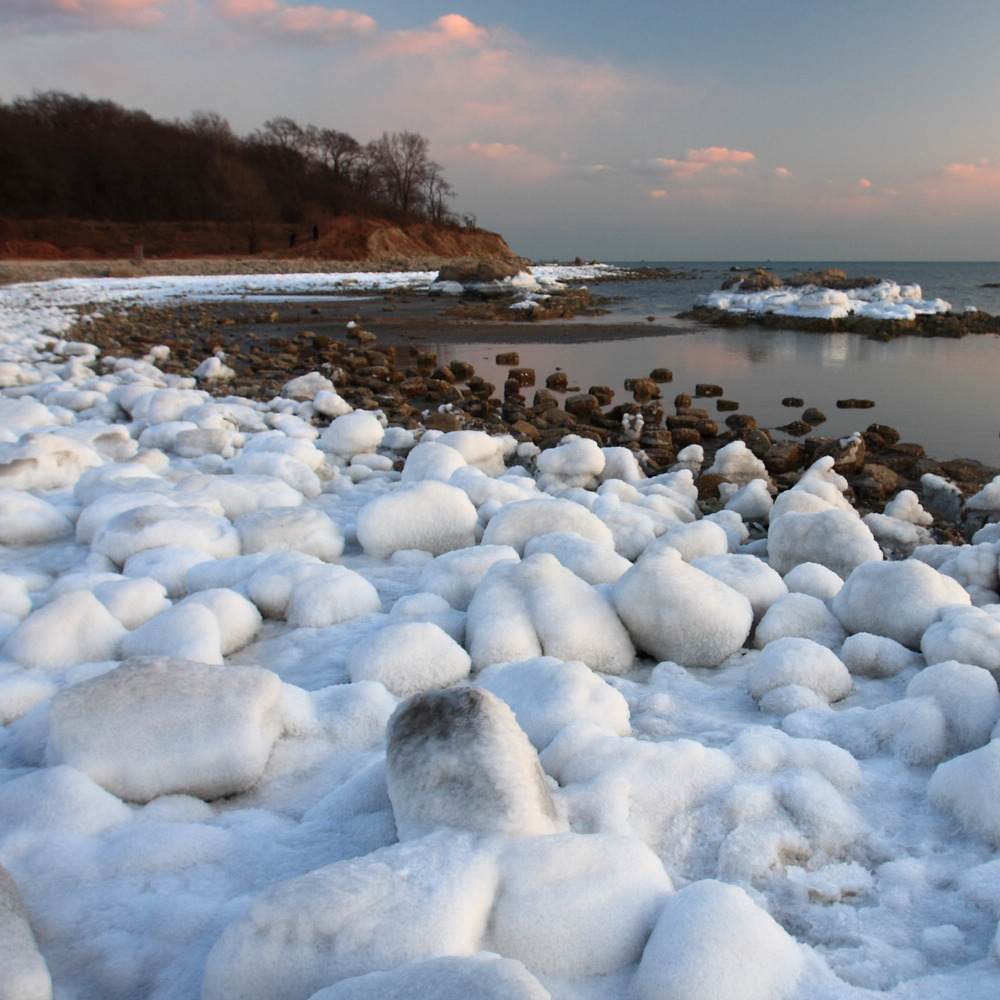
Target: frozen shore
[[296, 703]]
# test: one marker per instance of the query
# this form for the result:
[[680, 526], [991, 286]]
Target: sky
[[775, 129]]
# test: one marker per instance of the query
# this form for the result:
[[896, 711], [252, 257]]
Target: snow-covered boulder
[[23, 972], [426, 515], [712, 940], [676, 612], [458, 759], [537, 607], [157, 726], [900, 600], [409, 657], [516, 523], [833, 538], [547, 694]]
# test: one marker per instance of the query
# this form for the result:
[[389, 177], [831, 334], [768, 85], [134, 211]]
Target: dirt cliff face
[[343, 238]]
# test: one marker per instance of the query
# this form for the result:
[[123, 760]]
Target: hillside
[[343, 238]]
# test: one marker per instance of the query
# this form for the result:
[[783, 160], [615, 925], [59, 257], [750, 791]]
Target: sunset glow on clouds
[[547, 120]]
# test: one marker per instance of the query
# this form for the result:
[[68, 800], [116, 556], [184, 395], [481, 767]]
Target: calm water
[[940, 393]]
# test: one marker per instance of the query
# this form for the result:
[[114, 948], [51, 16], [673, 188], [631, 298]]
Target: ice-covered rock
[[676, 612], [968, 699], [516, 523], [574, 462], [29, 520], [748, 575], [967, 786], [352, 434], [157, 726], [738, 464], [74, 628], [23, 972], [455, 575], [799, 662], [832, 538], [415, 900], [426, 515], [409, 657], [278, 529], [458, 759], [802, 616], [547, 694], [878, 656], [575, 905], [589, 560], [538, 607], [900, 600], [970, 635], [318, 597], [712, 940], [485, 976]]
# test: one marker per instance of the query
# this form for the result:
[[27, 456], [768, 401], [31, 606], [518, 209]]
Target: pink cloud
[[658, 193], [43, 14], [453, 31], [322, 25], [239, 9], [782, 172], [515, 162], [864, 183], [717, 160]]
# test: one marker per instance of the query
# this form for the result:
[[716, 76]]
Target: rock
[[525, 431], [661, 375], [23, 972], [458, 759], [161, 726], [848, 454], [522, 376], [446, 420], [603, 393], [758, 280], [582, 404], [814, 417], [794, 401], [510, 358], [796, 428], [558, 381], [643, 389], [855, 404], [707, 428], [443, 375], [462, 370], [684, 436], [875, 483], [707, 389], [740, 421], [757, 440], [708, 485], [784, 456], [478, 272], [882, 434], [723, 405], [682, 401]]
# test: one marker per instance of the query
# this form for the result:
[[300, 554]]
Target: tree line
[[66, 156]]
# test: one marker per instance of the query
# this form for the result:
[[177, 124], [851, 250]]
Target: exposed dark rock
[[510, 358], [707, 389], [796, 428], [855, 404], [661, 375], [559, 381], [814, 417], [784, 456], [740, 421], [682, 400], [723, 405], [604, 393], [644, 389], [848, 454], [522, 376], [683, 436], [708, 485], [581, 404]]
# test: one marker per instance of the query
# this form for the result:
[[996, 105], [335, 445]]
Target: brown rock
[[444, 375], [510, 358], [875, 483], [644, 389], [707, 428], [604, 393], [708, 485], [661, 375], [679, 421], [682, 400], [522, 376], [707, 389], [741, 421], [793, 401], [544, 400], [652, 414], [582, 404], [784, 456], [722, 405], [412, 387], [855, 404], [478, 271], [814, 417], [796, 428], [848, 454], [881, 435], [756, 439], [683, 436], [557, 381], [525, 431], [758, 280], [462, 370], [446, 421], [480, 387]]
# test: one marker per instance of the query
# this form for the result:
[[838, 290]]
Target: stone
[[741, 421], [522, 376], [462, 370], [643, 389], [458, 758], [757, 440], [885, 434], [682, 400], [510, 358], [848, 454], [661, 375], [855, 404], [708, 485], [544, 400], [707, 389], [683, 436], [558, 381], [796, 428], [23, 972], [814, 417], [162, 726], [603, 393], [724, 405], [794, 401], [582, 404]]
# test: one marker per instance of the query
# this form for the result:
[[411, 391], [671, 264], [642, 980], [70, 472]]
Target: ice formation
[[279, 720]]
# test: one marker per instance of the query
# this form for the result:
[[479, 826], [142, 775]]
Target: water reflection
[[941, 393]]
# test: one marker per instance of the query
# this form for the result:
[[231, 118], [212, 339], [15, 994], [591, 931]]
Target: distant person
[[291, 239], [315, 233]]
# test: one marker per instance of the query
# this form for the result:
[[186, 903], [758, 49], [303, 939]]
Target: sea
[[941, 393]]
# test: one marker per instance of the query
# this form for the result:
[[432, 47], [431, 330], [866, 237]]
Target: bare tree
[[339, 151], [402, 163], [436, 190]]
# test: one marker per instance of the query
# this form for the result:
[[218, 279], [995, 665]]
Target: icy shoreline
[[749, 753]]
